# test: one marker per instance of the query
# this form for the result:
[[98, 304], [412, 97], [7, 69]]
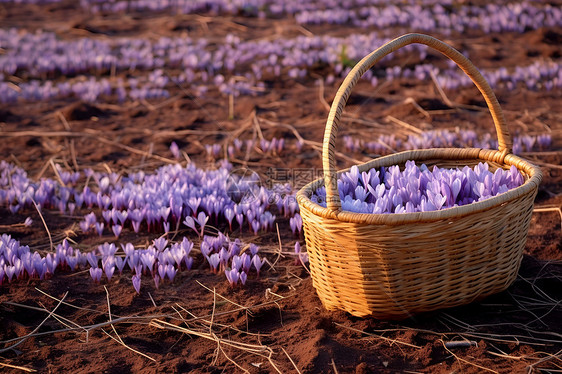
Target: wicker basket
[[392, 266]]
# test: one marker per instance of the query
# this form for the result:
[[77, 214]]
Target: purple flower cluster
[[418, 189], [160, 201], [258, 8], [387, 144], [159, 260], [233, 67], [425, 15], [19, 262], [231, 257], [490, 18], [155, 202]]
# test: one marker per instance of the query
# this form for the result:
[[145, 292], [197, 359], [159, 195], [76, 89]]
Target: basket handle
[[331, 131]]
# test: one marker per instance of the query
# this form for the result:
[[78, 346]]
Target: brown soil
[[276, 322]]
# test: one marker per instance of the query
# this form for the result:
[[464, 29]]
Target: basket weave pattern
[[394, 265]]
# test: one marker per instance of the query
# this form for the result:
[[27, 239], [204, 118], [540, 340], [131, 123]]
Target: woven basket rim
[[531, 173]]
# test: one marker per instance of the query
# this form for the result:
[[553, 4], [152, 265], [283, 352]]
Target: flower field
[[151, 154]]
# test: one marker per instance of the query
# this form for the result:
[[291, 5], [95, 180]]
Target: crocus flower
[[92, 259], [160, 243], [246, 261], [243, 277], [116, 230], [175, 150], [254, 249], [232, 275], [120, 263], [297, 251], [257, 261], [96, 274], [171, 272], [214, 261], [136, 282], [99, 228], [156, 281]]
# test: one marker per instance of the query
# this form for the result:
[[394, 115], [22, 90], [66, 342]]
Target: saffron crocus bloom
[[117, 230], [99, 228], [162, 270], [206, 248], [160, 243], [297, 252], [147, 259], [254, 249], [232, 275], [136, 282], [156, 281], [214, 261], [109, 269], [236, 262], [188, 262], [257, 261], [246, 261], [186, 245], [96, 274], [120, 264], [171, 272], [243, 277], [201, 220], [175, 150]]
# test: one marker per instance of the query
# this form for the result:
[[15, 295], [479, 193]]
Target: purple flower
[[120, 264], [232, 275], [96, 274], [72, 261], [257, 261], [107, 216], [109, 269], [236, 262], [243, 277], [117, 230], [229, 215], [175, 150], [214, 261], [206, 249], [188, 262], [297, 251], [162, 270], [156, 280], [51, 263], [92, 259], [186, 245], [296, 221], [128, 248], [240, 219], [148, 259], [246, 261], [255, 226], [136, 282], [254, 249], [99, 228], [160, 243], [201, 219], [171, 272]]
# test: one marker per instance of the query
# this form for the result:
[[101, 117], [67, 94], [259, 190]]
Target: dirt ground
[[275, 323]]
